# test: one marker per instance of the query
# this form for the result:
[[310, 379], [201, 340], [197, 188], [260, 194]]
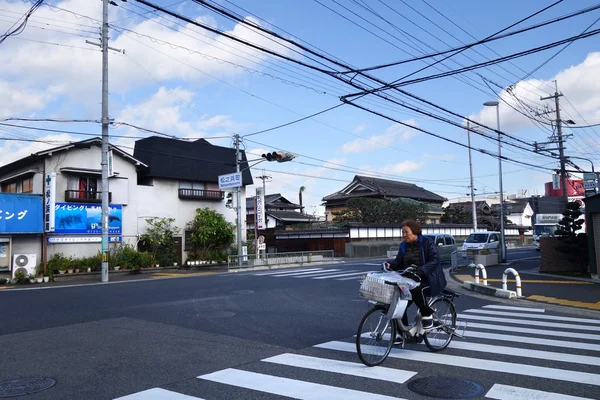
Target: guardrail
[[271, 259], [517, 280]]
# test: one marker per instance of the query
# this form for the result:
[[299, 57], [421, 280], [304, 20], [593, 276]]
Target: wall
[[37, 167], [553, 260], [27, 244]]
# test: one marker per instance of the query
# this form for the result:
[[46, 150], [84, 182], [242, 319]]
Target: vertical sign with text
[[260, 209], [111, 166], [556, 182], [49, 201]]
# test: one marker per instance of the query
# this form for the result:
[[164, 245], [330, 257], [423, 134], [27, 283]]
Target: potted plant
[[32, 278], [46, 277], [39, 278]]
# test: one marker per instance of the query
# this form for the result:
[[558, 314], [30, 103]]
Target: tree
[[456, 214], [158, 239], [209, 232], [574, 244], [367, 210]]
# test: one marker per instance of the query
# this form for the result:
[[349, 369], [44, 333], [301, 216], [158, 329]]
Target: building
[[376, 188], [164, 178]]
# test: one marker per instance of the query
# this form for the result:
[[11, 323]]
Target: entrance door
[[4, 255]]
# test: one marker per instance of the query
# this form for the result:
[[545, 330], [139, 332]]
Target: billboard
[[21, 213], [74, 218], [260, 209]]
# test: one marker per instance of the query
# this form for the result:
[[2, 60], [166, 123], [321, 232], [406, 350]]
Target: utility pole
[[105, 123], [561, 148], [239, 196], [471, 172]]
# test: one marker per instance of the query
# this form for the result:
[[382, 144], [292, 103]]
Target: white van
[[482, 240]]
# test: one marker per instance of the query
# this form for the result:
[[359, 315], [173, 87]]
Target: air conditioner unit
[[25, 263]]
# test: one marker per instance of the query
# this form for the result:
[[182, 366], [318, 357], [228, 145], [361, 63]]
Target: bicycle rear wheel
[[444, 323], [375, 336]]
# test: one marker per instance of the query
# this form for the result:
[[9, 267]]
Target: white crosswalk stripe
[[506, 355], [337, 274]]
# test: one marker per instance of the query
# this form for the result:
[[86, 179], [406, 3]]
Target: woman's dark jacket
[[430, 264]]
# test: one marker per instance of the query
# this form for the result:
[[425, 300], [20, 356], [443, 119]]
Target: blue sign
[[20, 213], [230, 180], [74, 218]]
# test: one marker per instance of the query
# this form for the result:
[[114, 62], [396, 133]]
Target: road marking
[[543, 332], [526, 258], [568, 344], [469, 278], [530, 323], [522, 352], [288, 387], [341, 275], [479, 364], [285, 272], [342, 367], [535, 316], [175, 275], [540, 310], [562, 302], [310, 272], [350, 278], [506, 392], [158, 394]]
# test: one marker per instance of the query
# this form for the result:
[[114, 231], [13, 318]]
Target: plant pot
[[76, 270], [70, 270], [46, 279], [174, 264], [89, 270], [61, 271], [39, 280], [32, 281], [157, 265], [116, 268]]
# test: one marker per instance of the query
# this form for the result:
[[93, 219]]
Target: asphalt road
[[142, 339]]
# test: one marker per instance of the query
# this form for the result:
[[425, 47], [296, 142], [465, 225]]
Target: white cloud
[[401, 168], [394, 135], [15, 150], [579, 83], [360, 128]]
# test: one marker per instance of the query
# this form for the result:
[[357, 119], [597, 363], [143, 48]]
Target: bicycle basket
[[375, 289]]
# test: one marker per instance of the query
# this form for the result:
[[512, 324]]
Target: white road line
[[505, 392], [303, 274], [535, 316], [520, 352], [568, 344], [283, 271], [158, 394], [480, 364], [542, 332], [540, 310], [352, 277], [288, 387], [342, 367], [340, 275], [531, 323]]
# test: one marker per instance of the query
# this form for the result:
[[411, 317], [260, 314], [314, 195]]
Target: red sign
[[574, 188]]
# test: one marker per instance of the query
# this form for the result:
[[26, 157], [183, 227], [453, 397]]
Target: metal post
[[502, 239], [239, 204], [561, 148], [471, 172], [105, 123]]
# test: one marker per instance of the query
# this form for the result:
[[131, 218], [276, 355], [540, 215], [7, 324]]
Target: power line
[[14, 31]]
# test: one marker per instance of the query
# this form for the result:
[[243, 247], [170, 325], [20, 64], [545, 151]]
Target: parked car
[[445, 243], [482, 240]]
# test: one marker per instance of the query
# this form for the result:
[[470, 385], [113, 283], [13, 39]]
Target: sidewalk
[[535, 286]]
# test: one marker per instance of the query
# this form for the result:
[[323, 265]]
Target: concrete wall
[[26, 244]]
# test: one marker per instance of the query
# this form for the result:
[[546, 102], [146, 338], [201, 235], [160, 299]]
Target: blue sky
[[171, 88]]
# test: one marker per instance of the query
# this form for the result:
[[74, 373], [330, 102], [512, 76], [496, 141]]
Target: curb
[[489, 290]]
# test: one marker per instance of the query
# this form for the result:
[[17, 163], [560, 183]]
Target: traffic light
[[229, 200], [279, 156]]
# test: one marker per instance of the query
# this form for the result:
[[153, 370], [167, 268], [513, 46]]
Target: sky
[[178, 79]]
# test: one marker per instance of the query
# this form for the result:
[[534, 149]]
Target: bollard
[[483, 274], [517, 280]]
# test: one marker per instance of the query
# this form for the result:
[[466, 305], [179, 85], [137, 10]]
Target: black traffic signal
[[274, 156], [229, 200]]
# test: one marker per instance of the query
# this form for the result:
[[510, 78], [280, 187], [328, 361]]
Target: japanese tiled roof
[[275, 200], [376, 187], [197, 161]]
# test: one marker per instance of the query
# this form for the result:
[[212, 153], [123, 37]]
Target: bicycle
[[389, 292]]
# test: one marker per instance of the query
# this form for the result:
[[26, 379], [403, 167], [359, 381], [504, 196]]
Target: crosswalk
[[338, 274], [512, 352]]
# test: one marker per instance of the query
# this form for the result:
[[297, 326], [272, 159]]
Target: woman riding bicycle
[[420, 252]]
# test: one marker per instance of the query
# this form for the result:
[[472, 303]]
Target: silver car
[[445, 244]]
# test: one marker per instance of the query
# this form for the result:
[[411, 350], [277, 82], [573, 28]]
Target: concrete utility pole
[[471, 172], [105, 123], [239, 196], [561, 148]]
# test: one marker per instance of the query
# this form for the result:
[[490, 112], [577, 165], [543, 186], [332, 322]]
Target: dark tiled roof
[[291, 216], [547, 204], [514, 208], [275, 200], [386, 188], [197, 161], [467, 204]]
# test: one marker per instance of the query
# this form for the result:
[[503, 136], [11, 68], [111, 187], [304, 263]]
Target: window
[[493, 238], [191, 185], [449, 240], [439, 240], [9, 187], [27, 185]]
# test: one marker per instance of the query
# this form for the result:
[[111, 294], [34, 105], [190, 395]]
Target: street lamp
[[502, 239]]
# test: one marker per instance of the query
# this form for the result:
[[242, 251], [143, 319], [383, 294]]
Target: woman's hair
[[413, 225]]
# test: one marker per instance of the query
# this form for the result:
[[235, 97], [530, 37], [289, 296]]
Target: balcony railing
[[201, 194], [85, 196]]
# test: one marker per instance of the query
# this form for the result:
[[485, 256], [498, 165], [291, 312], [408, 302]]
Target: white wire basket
[[376, 289]]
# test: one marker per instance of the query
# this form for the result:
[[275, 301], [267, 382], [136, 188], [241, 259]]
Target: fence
[[272, 259]]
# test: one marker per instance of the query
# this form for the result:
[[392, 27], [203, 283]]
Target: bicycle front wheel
[[375, 336], [444, 324]]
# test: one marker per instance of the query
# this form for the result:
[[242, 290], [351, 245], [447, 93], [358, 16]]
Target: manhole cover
[[216, 314], [445, 388], [242, 291], [21, 387]]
